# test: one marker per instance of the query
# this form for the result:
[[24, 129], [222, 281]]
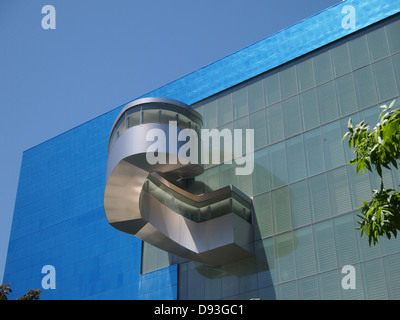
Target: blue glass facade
[[305, 209]]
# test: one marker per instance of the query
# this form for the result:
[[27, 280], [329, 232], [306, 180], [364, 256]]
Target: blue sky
[[105, 53]]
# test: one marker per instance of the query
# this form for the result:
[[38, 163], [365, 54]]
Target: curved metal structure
[[148, 201]]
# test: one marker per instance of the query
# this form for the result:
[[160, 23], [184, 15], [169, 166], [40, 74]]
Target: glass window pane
[[257, 123], [256, 96], [295, 159], [314, 152], [365, 87], [392, 267], [396, 69], [377, 44], [291, 116], [309, 109], [211, 179], [275, 123], [281, 209], [277, 165], [286, 268], [359, 55], [372, 276], [287, 291], [239, 100], [288, 82], [340, 60], [328, 110], [225, 110], [329, 285], [322, 67], [263, 213], [333, 145], [300, 203], [360, 187], [227, 174], [261, 174], [346, 94], [210, 115], [132, 118], [272, 88], [339, 192], [308, 288], [151, 116], [304, 252], [393, 31], [305, 75], [319, 197], [324, 246], [384, 79], [345, 239]]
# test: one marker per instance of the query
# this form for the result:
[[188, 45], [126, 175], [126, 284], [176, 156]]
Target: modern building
[[296, 89]]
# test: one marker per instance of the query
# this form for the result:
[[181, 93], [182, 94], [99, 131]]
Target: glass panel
[[277, 165], [211, 179], [392, 267], [346, 95], [377, 44], [256, 96], [295, 159], [300, 203], [225, 111], [339, 191], [365, 87], [257, 122], [243, 124], [281, 209], [314, 152], [328, 110], [372, 277], [309, 109], [359, 55], [360, 188], [272, 88], [324, 246], [384, 79], [151, 116], [286, 267], [304, 251], [340, 60], [275, 123], [343, 124], [210, 115], [287, 291], [291, 116], [319, 197], [329, 285], [239, 100], [132, 118], [396, 69], [227, 174], [305, 75], [322, 67], [261, 174], [263, 214], [333, 146], [345, 239], [288, 82], [393, 31], [308, 288]]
